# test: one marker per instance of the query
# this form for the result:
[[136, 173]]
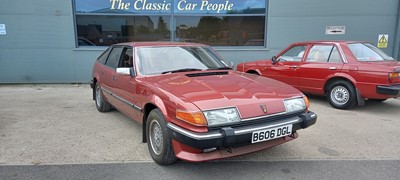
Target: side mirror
[[231, 65], [274, 60], [125, 71]]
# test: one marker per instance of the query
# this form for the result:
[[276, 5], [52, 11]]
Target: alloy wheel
[[340, 95], [98, 95], [156, 137]]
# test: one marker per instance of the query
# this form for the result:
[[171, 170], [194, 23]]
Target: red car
[[192, 105], [346, 72]]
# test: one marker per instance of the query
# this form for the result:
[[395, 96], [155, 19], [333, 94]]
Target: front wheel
[[159, 141], [342, 95]]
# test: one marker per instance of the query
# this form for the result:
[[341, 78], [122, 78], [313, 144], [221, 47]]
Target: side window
[[323, 53], [103, 57], [127, 59], [114, 57], [335, 57], [293, 54]]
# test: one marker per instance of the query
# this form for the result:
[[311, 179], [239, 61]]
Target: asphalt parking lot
[[47, 124], [59, 124]]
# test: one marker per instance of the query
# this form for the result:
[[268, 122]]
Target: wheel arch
[[94, 88], [338, 78], [154, 103], [360, 99], [95, 79], [254, 71]]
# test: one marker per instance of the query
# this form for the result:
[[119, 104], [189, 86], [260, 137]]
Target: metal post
[[396, 48]]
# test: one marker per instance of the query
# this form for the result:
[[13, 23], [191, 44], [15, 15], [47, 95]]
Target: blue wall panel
[[39, 46]]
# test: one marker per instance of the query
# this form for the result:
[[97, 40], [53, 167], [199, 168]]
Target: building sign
[[383, 40], [169, 6], [330, 30], [3, 29]]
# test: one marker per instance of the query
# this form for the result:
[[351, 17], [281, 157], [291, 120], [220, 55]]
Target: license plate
[[273, 133]]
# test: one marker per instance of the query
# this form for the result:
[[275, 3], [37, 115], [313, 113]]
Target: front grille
[[258, 121]]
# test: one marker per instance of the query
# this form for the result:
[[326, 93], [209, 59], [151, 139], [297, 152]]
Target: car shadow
[[389, 105]]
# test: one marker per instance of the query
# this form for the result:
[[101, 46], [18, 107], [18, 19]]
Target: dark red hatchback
[[192, 105], [346, 72]]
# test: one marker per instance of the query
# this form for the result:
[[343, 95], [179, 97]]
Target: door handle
[[102, 72], [293, 67], [114, 78], [332, 68]]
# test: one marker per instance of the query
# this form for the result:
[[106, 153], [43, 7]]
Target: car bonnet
[[224, 89]]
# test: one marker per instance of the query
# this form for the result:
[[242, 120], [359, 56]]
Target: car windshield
[[170, 59], [368, 52]]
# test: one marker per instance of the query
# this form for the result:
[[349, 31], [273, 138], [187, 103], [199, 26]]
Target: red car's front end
[[256, 106]]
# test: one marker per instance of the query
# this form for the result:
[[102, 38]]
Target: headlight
[[222, 116], [294, 105]]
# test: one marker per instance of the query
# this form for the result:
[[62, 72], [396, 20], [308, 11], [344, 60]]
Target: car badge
[[264, 108]]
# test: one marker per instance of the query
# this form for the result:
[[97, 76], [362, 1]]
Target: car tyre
[[101, 104], [159, 141], [342, 95]]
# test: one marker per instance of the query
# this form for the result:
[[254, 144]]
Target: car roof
[[330, 41], [160, 43]]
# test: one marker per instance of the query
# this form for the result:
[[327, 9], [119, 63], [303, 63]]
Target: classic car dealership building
[[57, 41]]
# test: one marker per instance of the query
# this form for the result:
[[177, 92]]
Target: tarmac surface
[[51, 126]]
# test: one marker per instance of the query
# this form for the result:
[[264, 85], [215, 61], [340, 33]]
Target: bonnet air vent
[[207, 74]]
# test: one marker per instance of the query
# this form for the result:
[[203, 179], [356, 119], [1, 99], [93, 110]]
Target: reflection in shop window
[[108, 30], [229, 23], [221, 30]]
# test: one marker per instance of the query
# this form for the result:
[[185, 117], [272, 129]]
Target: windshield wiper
[[182, 70], [221, 68]]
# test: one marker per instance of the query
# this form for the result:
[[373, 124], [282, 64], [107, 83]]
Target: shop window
[[221, 30], [213, 22], [106, 30]]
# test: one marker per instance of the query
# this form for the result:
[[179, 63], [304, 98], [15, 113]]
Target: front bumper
[[228, 137], [388, 90]]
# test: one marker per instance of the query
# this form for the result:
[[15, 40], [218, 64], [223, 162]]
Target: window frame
[[119, 59], [295, 46], [105, 53], [173, 25], [333, 46]]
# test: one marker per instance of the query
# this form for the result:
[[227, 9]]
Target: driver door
[[286, 69], [322, 62], [126, 86]]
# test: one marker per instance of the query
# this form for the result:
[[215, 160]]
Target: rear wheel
[[101, 104], [342, 95], [159, 141]]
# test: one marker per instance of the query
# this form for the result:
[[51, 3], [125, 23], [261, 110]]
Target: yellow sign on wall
[[383, 40]]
